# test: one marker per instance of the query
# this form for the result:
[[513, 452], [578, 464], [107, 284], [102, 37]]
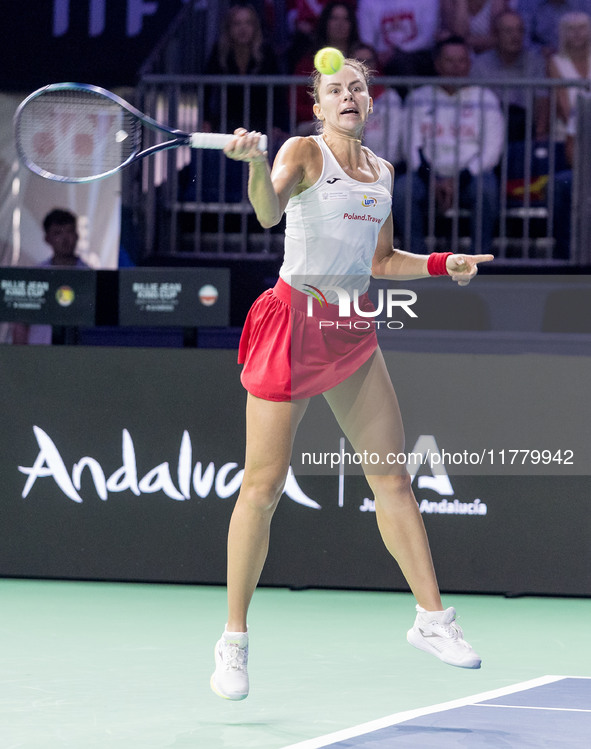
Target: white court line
[[530, 707], [391, 720]]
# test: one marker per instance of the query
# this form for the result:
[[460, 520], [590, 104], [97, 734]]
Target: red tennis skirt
[[289, 356]]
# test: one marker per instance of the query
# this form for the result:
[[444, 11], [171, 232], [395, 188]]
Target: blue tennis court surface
[[552, 711]]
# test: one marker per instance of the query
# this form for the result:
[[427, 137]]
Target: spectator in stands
[[474, 21], [509, 60], [542, 21], [573, 61], [336, 27], [303, 16], [240, 50], [403, 32], [456, 133], [383, 130], [60, 228]]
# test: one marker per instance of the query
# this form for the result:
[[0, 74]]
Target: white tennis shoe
[[230, 678], [436, 632]]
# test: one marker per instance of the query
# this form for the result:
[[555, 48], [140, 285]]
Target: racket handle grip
[[219, 140]]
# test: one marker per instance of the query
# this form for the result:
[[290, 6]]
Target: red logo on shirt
[[399, 28]]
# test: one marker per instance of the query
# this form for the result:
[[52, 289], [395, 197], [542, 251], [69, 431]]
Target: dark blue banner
[[124, 464], [48, 296]]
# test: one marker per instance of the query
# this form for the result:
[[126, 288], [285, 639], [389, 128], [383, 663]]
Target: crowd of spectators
[[492, 41], [404, 32]]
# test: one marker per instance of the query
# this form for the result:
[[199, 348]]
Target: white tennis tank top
[[332, 227]]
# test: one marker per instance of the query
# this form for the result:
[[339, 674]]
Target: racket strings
[[76, 135]]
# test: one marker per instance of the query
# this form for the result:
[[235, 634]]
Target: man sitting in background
[[509, 60], [61, 234], [456, 140]]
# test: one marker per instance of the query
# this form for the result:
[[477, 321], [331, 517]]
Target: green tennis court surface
[[118, 666]]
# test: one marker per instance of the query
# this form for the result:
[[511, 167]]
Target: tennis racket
[[76, 132]]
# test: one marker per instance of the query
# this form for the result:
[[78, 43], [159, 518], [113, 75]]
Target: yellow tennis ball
[[328, 60]]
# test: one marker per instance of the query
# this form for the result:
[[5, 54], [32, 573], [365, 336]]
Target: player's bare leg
[[270, 431], [367, 409]]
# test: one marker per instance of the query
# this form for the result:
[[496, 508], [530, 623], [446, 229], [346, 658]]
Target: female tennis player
[[326, 184]]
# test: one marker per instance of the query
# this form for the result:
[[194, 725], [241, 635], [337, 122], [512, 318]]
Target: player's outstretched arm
[[389, 262], [392, 263], [269, 190]]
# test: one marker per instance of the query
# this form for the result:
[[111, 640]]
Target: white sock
[[234, 634]]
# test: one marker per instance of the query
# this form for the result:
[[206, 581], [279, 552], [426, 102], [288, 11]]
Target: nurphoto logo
[[390, 301]]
